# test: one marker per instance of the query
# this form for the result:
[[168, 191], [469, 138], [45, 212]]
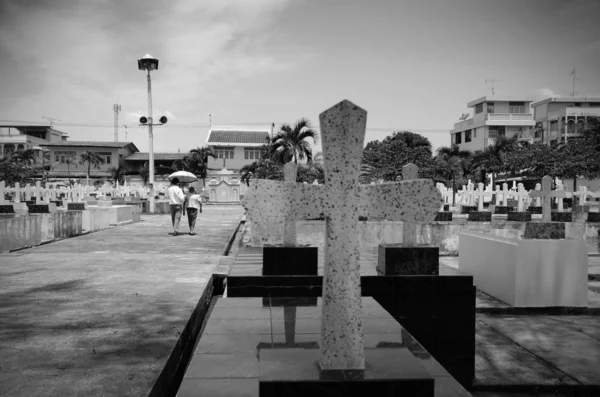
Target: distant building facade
[[64, 158], [163, 163], [15, 138], [234, 150], [557, 119], [492, 118]]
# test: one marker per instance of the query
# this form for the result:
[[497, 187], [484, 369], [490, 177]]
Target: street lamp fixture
[[149, 63]]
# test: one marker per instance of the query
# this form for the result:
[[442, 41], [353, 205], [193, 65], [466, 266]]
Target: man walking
[[176, 198], [192, 205]]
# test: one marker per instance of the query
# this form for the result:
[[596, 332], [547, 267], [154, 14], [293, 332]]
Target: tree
[[385, 159], [577, 158], [144, 172], [310, 172], [117, 174], [291, 142], [491, 159], [451, 161], [198, 160], [92, 159], [264, 168], [12, 170], [182, 164]]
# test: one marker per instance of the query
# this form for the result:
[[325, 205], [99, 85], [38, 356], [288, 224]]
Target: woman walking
[[192, 205]]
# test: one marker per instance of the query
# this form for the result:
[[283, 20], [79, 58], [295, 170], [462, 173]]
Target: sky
[[413, 65]]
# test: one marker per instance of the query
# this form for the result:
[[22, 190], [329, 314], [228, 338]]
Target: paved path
[[98, 315]]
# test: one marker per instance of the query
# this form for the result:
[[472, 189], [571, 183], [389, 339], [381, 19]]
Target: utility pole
[[573, 73], [117, 110], [492, 82], [51, 120], [210, 121]]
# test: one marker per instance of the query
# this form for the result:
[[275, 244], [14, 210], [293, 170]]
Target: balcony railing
[[509, 117]]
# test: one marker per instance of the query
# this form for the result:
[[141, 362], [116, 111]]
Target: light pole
[[149, 63]]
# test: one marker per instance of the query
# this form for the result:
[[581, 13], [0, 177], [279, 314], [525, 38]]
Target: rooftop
[[499, 99], [229, 136], [90, 143], [566, 100], [143, 156]]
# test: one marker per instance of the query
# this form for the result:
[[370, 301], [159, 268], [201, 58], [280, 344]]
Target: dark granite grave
[[58, 203], [593, 217], [446, 207], [581, 208], [568, 202], [534, 209], [544, 230], [245, 345], [480, 216], [7, 209], [396, 260], [290, 261], [31, 202], [438, 311], [389, 372], [39, 209], [465, 209], [502, 209], [519, 216], [561, 216], [76, 206], [443, 216]]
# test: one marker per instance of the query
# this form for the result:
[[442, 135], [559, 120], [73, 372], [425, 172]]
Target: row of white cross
[[468, 195], [52, 192]]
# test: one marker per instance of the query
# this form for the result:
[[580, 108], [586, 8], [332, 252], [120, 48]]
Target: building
[[22, 137], [492, 118], [234, 150], [64, 158], [557, 119]]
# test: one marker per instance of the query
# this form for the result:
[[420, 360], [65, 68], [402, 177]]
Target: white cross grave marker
[[546, 193], [582, 195], [2, 192], [481, 193], [342, 200], [521, 195]]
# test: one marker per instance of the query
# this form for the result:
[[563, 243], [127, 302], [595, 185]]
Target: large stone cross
[[342, 200], [546, 194], [481, 193]]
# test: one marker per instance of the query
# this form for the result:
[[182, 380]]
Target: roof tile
[[226, 136]]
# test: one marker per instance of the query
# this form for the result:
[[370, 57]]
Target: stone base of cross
[[342, 200]]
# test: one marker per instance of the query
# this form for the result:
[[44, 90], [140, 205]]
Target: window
[[554, 126], [475, 133], [516, 107], [106, 156], [257, 155], [467, 136], [226, 154], [246, 155], [490, 107], [479, 108], [63, 156], [231, 154], [497, 131], [577, 105], [458, 139]]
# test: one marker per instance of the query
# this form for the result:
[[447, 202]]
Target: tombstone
[[520, 215], [582, 202], [342, 200], [444, 214], [290, 259], [535, 207], [502, 205], [5, 206], [545, 229], [408, 258], [468, 199], [480, 215]]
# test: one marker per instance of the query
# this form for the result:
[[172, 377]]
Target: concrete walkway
[[98, 315]]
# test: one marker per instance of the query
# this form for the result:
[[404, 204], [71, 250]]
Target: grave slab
[[465, 209], [562, 217], [544, 230], [42, 208], [480, 216], [76, 206], [290, 261], [535, 209], [593, 217], [519, 216], [443, 216], [399, 260], [502, 209]]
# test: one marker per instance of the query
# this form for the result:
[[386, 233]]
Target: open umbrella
[[184, 176]]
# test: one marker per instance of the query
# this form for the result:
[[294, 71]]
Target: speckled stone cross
[[546, 194], [342, 200]]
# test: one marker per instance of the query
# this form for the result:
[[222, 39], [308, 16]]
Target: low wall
[[441, 234], [22, 231]]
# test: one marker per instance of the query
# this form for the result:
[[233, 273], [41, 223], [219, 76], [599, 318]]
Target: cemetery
[[348, 287]]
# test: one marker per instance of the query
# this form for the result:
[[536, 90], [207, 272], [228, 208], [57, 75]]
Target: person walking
[[176, 198], [192, 205]]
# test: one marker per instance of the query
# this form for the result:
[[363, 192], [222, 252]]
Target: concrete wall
[[441, 234]]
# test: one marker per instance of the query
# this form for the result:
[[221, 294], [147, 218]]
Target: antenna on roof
[[492, 82], [51, 120], [210, 121], [573, 73], [117, 110], [463, 116]]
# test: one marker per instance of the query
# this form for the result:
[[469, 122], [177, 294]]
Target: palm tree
[[291, 142], [117, 174], [491, 158], [90, 158], [144, 172], [70, 161], [198, 159], [452, 160], [182, 164], [248, 171]]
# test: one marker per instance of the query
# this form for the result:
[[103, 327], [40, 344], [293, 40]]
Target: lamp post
[[149, 63]]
